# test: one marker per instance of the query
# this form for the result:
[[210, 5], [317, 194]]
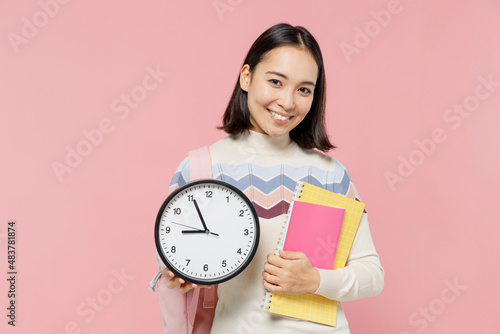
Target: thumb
[[291, 255]]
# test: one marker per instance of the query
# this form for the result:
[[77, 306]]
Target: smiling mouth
[[278, 116]]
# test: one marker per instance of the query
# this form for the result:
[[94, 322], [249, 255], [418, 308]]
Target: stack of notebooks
[[321, 224]]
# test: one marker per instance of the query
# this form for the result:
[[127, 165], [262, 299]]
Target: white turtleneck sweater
[[266, 169]]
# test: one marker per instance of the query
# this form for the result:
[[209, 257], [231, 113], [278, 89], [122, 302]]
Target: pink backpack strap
[[200, 165], [201, 309], [209, 297], [191, 308], [190, 312]]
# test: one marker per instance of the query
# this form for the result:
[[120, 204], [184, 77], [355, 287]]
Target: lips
[[278, 116]]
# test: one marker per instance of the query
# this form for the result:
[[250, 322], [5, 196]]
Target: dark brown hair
[[311, 132]]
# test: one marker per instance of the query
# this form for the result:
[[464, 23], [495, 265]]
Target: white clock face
[[207, 232]]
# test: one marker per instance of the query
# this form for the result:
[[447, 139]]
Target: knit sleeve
[[363, 275]]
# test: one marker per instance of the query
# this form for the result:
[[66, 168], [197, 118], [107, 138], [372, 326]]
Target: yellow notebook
[[309, 306]]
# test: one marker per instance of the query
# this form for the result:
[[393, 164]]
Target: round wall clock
[[207, 232]]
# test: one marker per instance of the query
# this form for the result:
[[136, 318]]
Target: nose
[[286, 100]]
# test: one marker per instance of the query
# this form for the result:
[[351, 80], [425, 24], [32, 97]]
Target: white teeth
[[283, 118]]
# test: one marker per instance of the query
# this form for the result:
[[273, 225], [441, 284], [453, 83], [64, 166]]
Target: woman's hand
[[290, 273], [184, 286]]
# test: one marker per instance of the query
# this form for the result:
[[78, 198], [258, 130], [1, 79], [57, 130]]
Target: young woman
[[275, 122]]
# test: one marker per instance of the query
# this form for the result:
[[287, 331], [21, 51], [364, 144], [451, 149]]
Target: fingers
[[186, 287], [272, 269], [271, 287], [291, 255], [167, 272], [275, 266], [270, 278], [281, 260], [174, 280], [189, 286], [290, 272], [275, 260], [272, 273], [183, 285]]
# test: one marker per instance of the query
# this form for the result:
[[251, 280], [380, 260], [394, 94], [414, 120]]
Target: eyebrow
[[285, 77]]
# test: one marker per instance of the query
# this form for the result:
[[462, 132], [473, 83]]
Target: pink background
[[65, 72]]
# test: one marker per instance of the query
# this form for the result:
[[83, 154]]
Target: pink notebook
[[314, 229]]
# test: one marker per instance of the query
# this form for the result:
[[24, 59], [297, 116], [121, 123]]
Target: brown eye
[[275, 82]]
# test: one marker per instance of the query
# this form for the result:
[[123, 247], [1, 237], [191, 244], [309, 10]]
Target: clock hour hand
[[199, 214], [194, 229], [198, 231]]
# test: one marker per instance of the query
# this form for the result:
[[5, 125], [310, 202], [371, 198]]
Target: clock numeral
[[173, 249], [205, 267], [227, 198], [241, 213], [245, 232], [167, 229], [177, 211], [190, 198], [209, 193], [239, 251], [187, 262], [224, 264]]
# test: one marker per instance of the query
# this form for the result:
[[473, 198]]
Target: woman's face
[[280, 90]]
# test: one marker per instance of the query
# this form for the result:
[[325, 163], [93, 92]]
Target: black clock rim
[[232, 274]]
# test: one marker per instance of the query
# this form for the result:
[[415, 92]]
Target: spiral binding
[[267, 300]]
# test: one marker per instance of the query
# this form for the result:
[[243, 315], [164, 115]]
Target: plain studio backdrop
[[100, 101]]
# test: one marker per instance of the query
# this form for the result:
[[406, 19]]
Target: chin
[[277, 133]]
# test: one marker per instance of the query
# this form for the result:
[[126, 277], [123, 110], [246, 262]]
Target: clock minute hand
[[201, 217], [194, 228]]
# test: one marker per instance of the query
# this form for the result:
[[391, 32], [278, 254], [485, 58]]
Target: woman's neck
[[263, 144]]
